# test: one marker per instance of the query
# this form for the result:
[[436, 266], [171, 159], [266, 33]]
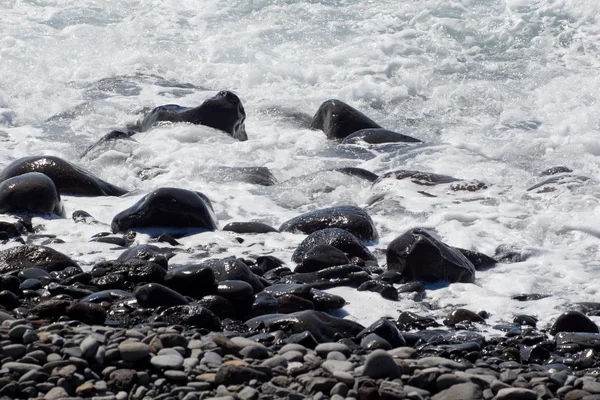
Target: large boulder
[[420, 256], [351, 218], [22, 257], [168, 208], [68, 178], [338, 120], [31, 193]]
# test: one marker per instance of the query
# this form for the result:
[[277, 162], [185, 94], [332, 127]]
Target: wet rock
[[325, 301], [336, 237], [108, 142], [358, 172], [419, 256], [108, 296], [191, 315], [195, 281], [22, 257], [254, 175], [462, 315], [320, 257], [342, 275], [372, 341], [408, 321], [573, 321], [338, 119], [289, 303], [237, 375], [134, 351], [219, 306], [479, 260], [350, 218], [323, 327], [387, 290], [385, 329], [249, 227], [147, 252], [153, 295], [236, 291], [378, 136], [30, 193], [461, 391], [264, 303], [555, 171], [233, 269]]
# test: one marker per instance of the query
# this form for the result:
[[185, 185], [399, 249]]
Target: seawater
[[498, 90]]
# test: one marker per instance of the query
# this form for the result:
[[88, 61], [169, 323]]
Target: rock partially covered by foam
[[351, 218], [67, 177], [168, 208], [30, 193], [420, 256], [338, 119]]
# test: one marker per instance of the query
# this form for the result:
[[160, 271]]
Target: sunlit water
[[498, 90]]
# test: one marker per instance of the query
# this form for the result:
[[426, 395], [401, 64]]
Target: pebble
[[133, 351], [379, 364], [170, 361]]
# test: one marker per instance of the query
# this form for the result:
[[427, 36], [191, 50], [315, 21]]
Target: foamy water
[[499, 91]]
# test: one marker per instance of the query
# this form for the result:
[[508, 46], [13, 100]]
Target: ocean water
[[499, 91]]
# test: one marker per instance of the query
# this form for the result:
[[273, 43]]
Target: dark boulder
[[195, 281], [191, 315], [385, 329], [320, 257], [336, 237], [234, 269], [147, 252], [573, 321], [67, 177], [23, 257], [168, 208], [420, 256], [350, 218], [30, 193], [338, 120], [153, 295], [378, 136]]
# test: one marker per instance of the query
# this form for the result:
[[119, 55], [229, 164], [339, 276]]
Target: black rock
[[109, 296], [281, 289], [324, 327], [386, 290], [338, 120], [147, 252], [419, 256], [479, 260], [320, 257], [88, 313], [80, 216], [166, 238], [336, 237], [534, 354], [555, 170], [9, 300], [324, 301], [168, 208], [12, 230], [529, 296], [410, 287], [408, 321], [153, 295], [373, 341], [238, 375], [133, 270], [254, 175], [342, 275], [264, 303], [290, 303], [30, 193], [249, 227], [195, 281], [236, 291], [191, 315], [234, 269], [378, 136], [358, 172], [23, 257], [385, 329], [110, 281], [107, 142], [462, 315], [418, 177], [36, 273], [219, 306], [573, 321], [224, 111], [67, 177], [350, 218]]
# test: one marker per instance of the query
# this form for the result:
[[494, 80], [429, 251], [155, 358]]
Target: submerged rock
[[378, 136], [107, 142], [338, 120], [30, 193], [168, 208], [249, 227], [350, 218], [419, 256], [67, 177]]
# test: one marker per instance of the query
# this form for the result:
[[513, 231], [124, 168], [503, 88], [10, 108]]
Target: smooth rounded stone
[[320, 257], [33, 273], [229, 374], [17, 331], [30, 256], [248, 393], [13, 351], [56, 393], [516, 394], [108, 142], [378, 136], [336, 237], [427, 362], [293, 356], [325, 348], [224, 112], [19, 367], [89, 346], [380, 365], [446, 381], [372, 341], [255, 352], [324, 301], [30, 193], [168, 208], [359, 173], [338, 119], [249, 228], [176, 376], [461, 391], [420, 256], [386, 330], [276, 361], [280, 289], [289, 303], [350, 218], [462, 315], [191, 315], [344, 377], [324, 327], [195, 281], [335, 365], [67, 177], [170, 361], [293, 347], [591, 386], [234, 269], [573, 321], [336, 355], [254, 175], [235, 291], [386, 290], [9, 300], [341, 275], [242, 342], [153, 295], [133, 351]]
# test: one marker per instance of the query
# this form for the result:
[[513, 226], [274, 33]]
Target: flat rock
[[461, 391]]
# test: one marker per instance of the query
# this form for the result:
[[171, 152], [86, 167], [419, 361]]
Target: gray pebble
[[379, 364], [516, 394], [324, 348], [170, 361], [133, 351]]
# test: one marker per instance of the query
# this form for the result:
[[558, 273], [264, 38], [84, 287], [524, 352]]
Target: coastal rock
[[224, 111], [23, 257], [573, 321], [249, 227], [380, 365], [108, 142], [359, 173], [134, 270], [261, 176], [385, 329], [191, 315], [336, 237], [230, 269], [67, 177], [168, 208], [350, 218], [341, 275], [320, 257], [153, 295], [420, 256], [195, 281], [378, 136], [31, 193], [147, 252], [324, 327], [338, 120]]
